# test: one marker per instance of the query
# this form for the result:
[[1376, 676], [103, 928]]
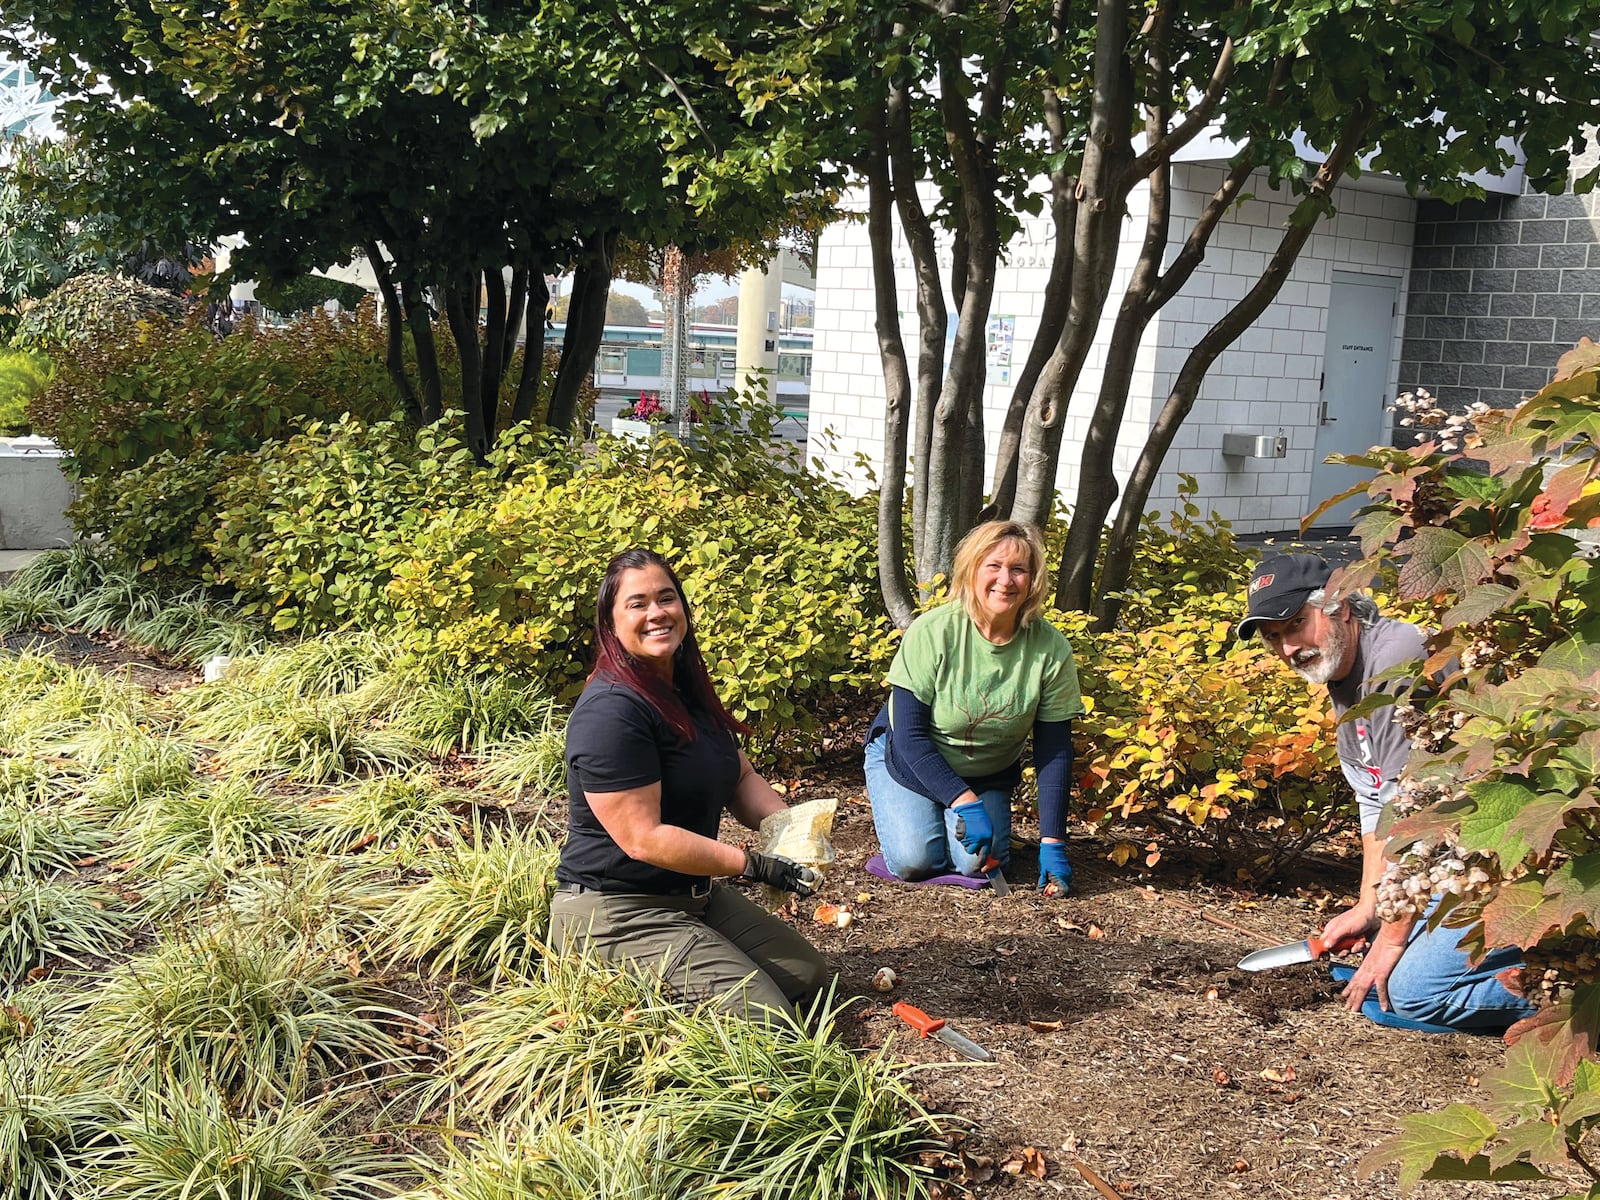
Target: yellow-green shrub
[[307, 530], [779, 569], [1190, 732]]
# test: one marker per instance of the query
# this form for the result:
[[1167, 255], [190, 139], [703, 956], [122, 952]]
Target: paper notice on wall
[[1002, 331]]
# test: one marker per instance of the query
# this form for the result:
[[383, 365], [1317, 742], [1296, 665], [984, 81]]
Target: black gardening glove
[[781, 873]]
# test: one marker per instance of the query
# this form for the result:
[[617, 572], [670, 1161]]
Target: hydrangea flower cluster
[[1429, 869], [1424, 414]]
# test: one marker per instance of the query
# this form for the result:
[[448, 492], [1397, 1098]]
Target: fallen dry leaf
[[1273, 1075], [1239, 1166], [1220, 1077], [19, 1017], [1095, 932], [1044, 1026], [1032, 1162]]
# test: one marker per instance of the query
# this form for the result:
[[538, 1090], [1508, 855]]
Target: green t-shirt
[[985, 698]]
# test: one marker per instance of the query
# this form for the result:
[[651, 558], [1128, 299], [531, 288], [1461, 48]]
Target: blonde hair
[[979, 544]]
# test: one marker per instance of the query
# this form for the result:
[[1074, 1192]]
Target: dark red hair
[[690, 679]]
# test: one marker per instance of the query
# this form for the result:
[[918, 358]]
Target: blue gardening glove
[[1054, 868], [974, 830]]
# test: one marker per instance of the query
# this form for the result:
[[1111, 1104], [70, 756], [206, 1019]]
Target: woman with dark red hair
[[652, 762]]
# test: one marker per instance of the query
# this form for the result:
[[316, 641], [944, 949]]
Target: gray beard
[[1321, 668]]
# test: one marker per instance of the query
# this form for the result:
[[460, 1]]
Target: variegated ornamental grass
[[272, 967]]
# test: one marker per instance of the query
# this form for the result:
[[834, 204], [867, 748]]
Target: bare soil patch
[[1124, 1037]]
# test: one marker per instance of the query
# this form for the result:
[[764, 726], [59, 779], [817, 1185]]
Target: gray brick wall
[[1500, 289]]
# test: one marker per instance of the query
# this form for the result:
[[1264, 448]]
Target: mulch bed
[[1124, 1037]]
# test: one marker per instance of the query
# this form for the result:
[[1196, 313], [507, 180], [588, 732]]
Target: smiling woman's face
[[649, 618], [1001, 584]]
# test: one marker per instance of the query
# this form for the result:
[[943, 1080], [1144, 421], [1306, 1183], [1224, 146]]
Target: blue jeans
[[1432, 982], [918, 834]]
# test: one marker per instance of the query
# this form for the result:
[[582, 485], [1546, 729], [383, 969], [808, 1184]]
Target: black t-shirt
[[616, 740]]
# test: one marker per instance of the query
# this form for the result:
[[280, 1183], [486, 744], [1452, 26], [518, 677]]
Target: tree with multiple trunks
[[970, 112], [465, 154]]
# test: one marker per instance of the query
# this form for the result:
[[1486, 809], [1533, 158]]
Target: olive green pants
[[719, 947]]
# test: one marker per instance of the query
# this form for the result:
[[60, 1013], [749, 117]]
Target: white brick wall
[[1266, 380]]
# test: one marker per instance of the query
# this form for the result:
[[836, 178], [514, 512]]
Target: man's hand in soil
[[1377, 966], [1359, 922]]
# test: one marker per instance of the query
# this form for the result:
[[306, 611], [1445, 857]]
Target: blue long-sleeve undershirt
[[914, 754]]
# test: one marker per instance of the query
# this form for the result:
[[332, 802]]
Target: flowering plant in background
[[647, 407]]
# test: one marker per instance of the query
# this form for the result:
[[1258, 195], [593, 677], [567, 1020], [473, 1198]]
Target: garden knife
[[1309, 950], [935, 1027], [997, 877]]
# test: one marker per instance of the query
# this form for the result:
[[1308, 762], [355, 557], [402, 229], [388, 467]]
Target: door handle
[[1324, 418]]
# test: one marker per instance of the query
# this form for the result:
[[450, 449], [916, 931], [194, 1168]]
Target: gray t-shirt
[[1373, 749]]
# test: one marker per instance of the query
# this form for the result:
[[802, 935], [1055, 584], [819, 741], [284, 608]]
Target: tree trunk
[[1097, 486], [461, 310], [1102, 192], [953, 497], [527, 401], [932, 317], [514, 314], [1052, 318], [892, 582], [1124, 534], [586, 320], [420, 318], [493, 364], [394, 356]]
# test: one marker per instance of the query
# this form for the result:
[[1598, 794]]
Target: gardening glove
[[778, 872], [974, 830], [1054, 867]]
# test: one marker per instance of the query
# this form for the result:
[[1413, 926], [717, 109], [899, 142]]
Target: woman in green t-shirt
[[971, 681]]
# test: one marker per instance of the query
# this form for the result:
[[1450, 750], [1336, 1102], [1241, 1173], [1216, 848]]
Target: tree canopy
[[464, 153]]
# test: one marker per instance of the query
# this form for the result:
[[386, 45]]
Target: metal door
[[1355, 385]]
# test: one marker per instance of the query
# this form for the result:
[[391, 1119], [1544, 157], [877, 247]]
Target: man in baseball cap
[[1423, 977], [1279, 587]]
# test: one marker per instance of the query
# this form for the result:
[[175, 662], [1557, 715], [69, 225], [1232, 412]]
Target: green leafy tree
[[466, 154], [1046, 106], [49, 239], [623, 309]]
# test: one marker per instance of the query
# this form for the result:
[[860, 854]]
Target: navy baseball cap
[[1279, 587]]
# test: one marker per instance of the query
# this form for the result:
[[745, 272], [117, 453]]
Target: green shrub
[[23, 377], [778, 566], [87, 308], [1179, 558], [118, 401], [308, 531], [1191, 734], [156, 516]]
